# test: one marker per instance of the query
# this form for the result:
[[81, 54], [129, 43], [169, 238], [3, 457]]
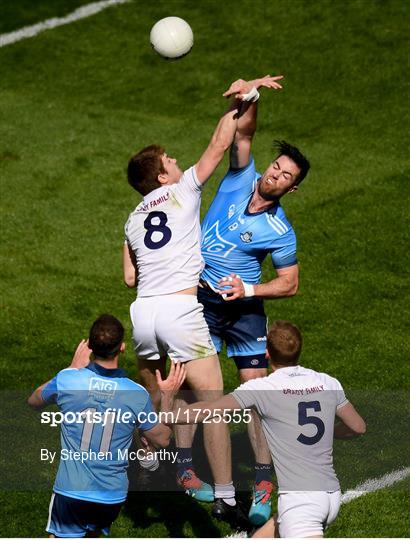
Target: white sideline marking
[[373, 484], [80, 13]]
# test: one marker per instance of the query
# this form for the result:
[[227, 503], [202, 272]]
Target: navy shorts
[[74, 518], [241, 324]]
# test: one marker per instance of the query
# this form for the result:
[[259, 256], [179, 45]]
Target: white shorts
[[172, 325], [306, 513]]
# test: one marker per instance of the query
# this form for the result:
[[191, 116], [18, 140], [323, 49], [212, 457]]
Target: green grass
[[77, 101]]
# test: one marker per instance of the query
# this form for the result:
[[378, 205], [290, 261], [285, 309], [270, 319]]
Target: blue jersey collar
[[106, 372], [271, 210]]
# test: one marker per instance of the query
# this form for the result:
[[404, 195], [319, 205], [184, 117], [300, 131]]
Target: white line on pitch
[[79, 13], [375, 484]]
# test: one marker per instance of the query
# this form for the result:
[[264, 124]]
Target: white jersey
[[297, 408], [164, 234]]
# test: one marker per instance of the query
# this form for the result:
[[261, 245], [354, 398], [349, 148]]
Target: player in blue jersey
[[245, 224], [91, 483]]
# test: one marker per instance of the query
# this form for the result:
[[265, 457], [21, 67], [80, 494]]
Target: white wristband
[[249, 289], [251, 96]]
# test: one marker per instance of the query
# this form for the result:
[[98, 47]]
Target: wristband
[[251, 96], [249, 289]]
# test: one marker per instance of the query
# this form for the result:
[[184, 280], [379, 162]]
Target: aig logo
[[102, 388], [213, 242]]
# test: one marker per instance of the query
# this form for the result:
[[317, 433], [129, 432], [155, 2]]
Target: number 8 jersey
[[164, 234]]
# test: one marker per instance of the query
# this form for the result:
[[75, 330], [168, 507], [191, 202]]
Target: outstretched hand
[[81, 356], [241, 87], [175, 379]]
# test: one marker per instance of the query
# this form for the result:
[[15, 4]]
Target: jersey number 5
[[304, 419], [156, 227]]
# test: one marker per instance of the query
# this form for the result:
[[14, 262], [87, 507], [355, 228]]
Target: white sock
[[150, 464], [226, 492]]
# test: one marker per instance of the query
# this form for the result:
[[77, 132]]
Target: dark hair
[[284, 343], [106, 336], [144, 169], [286, 149]]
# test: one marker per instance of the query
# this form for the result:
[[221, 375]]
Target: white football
[[172, 37]]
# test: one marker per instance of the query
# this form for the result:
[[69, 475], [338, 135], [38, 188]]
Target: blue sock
[[184, 460], [263, 471]]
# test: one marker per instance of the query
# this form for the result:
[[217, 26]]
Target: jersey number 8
[[160, 228]]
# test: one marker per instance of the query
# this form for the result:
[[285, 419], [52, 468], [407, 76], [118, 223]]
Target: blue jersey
[[93, 460], [233, 240]]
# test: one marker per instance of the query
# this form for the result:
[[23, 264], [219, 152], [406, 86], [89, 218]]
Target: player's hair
[[284, 343], [286, 149], [106, 336], [144, 169]]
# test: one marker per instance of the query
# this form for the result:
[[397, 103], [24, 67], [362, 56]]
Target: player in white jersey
[[298, 407], [162, 256]]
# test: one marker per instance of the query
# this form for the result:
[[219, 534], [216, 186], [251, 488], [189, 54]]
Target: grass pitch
[[77, 101]]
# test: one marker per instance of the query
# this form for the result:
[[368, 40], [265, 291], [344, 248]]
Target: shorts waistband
[[205, 285]]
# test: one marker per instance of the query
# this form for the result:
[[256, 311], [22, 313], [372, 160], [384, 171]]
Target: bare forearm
[[280, 287], [247, 120], [222, 139], [241, 146], [227, 126], [248, 113], [351, 421], [246, 128], [344, 432]]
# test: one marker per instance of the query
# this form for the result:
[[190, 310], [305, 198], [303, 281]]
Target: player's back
[[101, 410], [164, 234], [297, 408]]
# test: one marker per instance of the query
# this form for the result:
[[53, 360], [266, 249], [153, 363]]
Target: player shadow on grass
[[171, 510], [163, 504]]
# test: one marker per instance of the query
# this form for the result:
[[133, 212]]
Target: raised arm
[[241, 146], [80, 359], [226, 129], [220, 142]]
